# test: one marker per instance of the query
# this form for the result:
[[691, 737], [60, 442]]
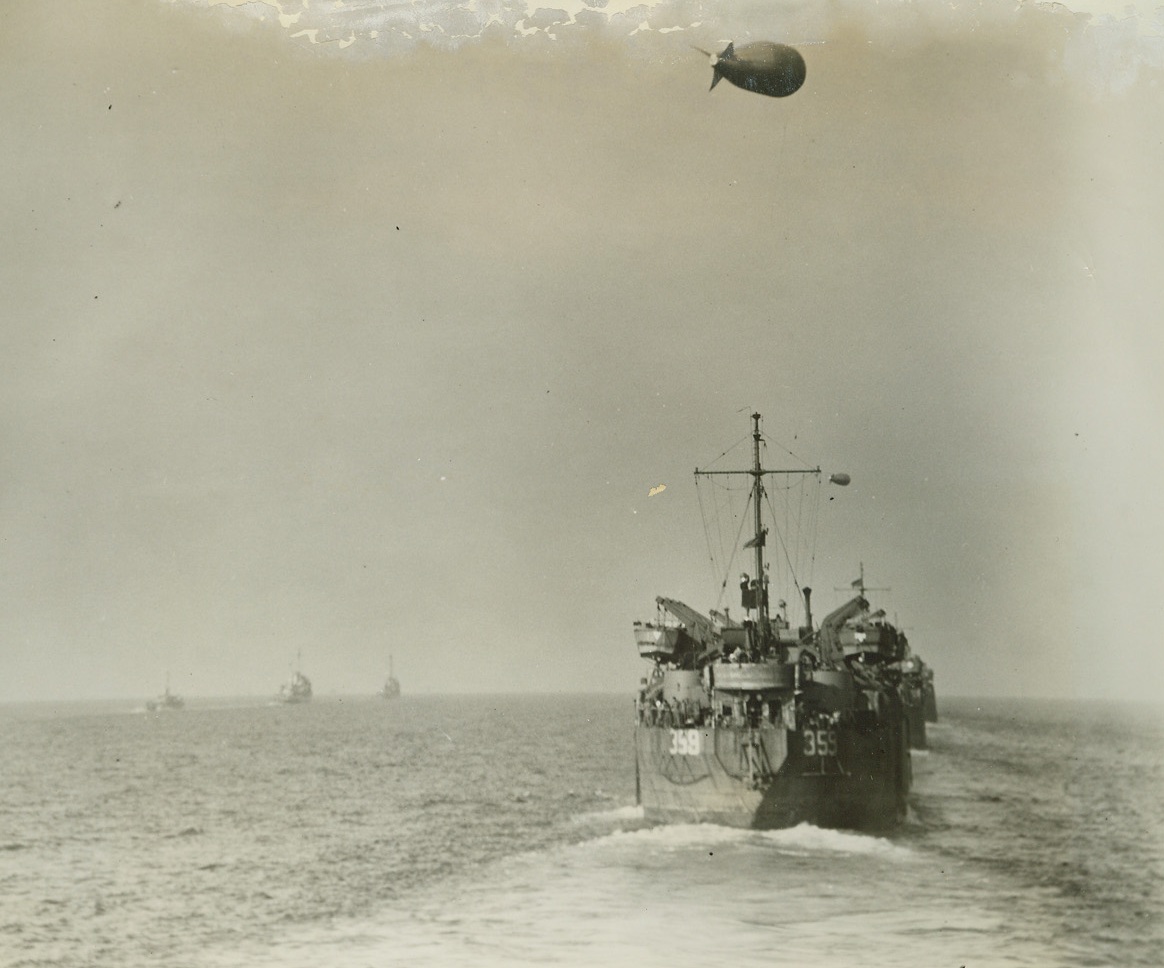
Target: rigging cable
[[735, 549], [789, 558], [718, 524], [707, 532]]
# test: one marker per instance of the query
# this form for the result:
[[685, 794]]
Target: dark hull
[[763, 777], [930, 703], [915, 724]]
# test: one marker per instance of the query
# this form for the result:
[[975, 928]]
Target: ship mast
[[759, 589], [758, 539]]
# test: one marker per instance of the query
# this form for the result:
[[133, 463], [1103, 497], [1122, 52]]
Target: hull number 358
[[685, 742]]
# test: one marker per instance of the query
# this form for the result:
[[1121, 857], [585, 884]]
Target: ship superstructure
[[297, 689], [391, 688], [757, 723], [167, 701], [898, 665]]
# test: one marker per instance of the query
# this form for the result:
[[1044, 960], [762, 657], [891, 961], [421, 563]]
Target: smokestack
[[808, 608]]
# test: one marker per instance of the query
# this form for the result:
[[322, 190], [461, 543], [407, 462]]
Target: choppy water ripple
[[503, 831], [149, 836]]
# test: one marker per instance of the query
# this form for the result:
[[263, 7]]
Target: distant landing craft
[[763, 67]]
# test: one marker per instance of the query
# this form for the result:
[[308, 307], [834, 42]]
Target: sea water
[[502, 830]]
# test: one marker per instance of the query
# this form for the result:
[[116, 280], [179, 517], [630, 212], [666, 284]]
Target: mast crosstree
[[756, 591]]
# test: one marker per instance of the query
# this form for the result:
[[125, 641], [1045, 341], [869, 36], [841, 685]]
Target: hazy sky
[[375, 347]]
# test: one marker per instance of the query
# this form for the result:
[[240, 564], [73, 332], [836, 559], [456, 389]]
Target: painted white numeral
[[684, 742], [820, 742]]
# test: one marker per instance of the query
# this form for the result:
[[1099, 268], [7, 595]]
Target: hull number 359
[[685, 742], [820, 742]]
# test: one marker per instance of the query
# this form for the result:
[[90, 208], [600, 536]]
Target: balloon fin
[[715, 80]]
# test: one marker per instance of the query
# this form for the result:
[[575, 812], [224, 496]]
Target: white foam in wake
[[802, 839], [679, 836], [807, 838], [616, 815]]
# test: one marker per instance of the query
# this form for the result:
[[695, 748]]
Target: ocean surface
[[502, 830]]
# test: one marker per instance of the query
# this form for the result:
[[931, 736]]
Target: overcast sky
[[364, 350]]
